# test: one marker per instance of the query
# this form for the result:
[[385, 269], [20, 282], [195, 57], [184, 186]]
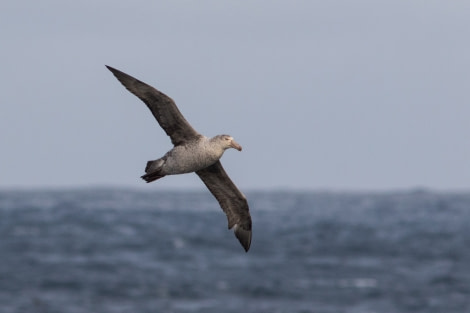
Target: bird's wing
[[232, 201], [162, 107]]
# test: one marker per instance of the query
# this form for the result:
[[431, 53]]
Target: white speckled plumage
[[193, 152], [195, 155]]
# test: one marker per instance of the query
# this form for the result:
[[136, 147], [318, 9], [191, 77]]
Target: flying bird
[[192, 152]]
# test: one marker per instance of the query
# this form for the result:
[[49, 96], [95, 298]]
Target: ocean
[[117, 250]]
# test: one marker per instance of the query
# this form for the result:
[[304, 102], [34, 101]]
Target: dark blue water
[[127, 251]]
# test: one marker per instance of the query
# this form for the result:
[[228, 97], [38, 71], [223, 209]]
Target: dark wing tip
[[244, 236], [135, 86], [112, 69], [119, 75]]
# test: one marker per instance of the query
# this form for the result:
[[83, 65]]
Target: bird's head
[[229, 142]]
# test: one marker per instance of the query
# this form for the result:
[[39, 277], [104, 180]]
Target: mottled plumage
[[192, 152]]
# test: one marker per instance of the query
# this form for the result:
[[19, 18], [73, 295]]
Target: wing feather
[[232, 201], [162, 107]]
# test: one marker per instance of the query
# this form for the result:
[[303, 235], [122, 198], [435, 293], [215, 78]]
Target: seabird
[[192, 152]]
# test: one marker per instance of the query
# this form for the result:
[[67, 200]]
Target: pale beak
[[235, 145]]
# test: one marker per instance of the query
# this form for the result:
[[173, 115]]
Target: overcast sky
[[336, 95]]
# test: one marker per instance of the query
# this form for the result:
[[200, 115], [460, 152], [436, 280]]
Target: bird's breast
[[182, 159]]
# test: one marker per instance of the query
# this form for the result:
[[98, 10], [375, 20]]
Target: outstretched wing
[[232, 201], [162, 107]]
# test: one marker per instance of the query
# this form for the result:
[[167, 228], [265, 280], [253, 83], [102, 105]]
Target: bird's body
[[192, 152], [190, 157]]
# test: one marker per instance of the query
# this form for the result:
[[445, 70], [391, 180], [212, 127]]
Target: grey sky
[[320, 94]]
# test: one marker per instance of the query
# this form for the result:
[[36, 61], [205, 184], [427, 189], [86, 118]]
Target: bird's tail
[[153, 170]]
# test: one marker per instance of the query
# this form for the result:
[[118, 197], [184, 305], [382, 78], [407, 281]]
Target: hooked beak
[[235, 145]]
